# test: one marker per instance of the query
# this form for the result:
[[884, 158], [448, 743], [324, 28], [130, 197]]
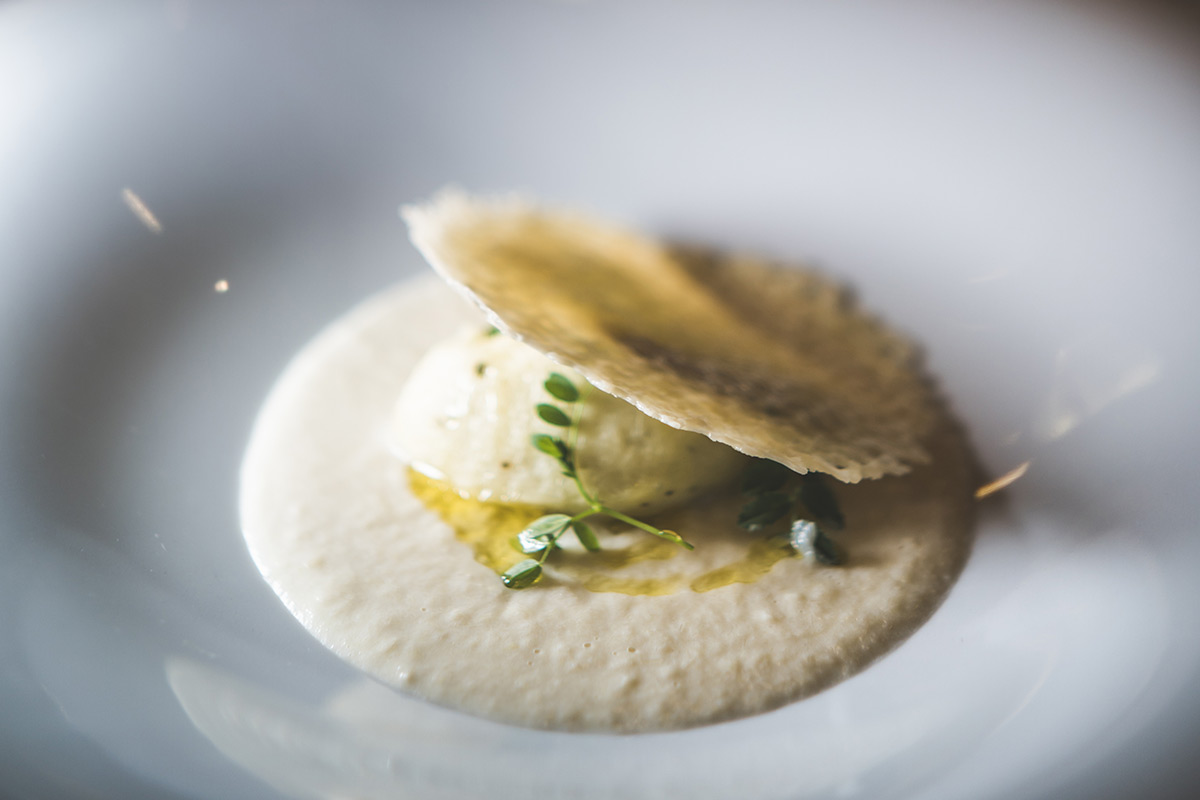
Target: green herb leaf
[[541, 537], [491, 331], [522, 574], [561, 387], [801, 535], [529, 545], [548, 444], [586, 536], [826, 551], [542, 533], [808, 540], [554, 415], [547, 527], [763, 510], [553, 446], [764, 475], [821, 503]]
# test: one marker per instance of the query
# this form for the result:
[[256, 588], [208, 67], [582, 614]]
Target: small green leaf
[[547, 527], [763, 510], [530, 544], [491, 331], [808, 540], [821, 503], [542, 533], [826, 551], [586, 536], [764, 475], [522, 574], [557, 448], [561, 387], [554, 415], [801, 535], [548, 444]]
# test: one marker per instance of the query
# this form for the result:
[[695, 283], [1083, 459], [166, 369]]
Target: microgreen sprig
[[542, 535], [774, 492]]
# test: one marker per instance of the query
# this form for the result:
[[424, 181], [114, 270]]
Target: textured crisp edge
[[432, 227]]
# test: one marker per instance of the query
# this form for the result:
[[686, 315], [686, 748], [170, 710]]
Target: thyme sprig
[[541, 536], [774, 492]]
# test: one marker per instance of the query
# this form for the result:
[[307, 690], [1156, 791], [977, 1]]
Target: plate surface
[[192, 191]]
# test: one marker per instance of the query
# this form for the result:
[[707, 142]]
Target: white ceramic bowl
[[190, 191]]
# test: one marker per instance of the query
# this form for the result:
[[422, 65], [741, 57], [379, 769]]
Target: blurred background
[[190, 190]]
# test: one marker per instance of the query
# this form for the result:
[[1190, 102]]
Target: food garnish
[[542, 535], [774, 493]]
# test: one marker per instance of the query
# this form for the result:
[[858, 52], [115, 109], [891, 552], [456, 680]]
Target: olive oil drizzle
[[487, 529], [760, 557]]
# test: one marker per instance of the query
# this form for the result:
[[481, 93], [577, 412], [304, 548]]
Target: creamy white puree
[[333, 525]]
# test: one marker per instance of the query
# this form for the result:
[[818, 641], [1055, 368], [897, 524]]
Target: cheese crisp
[[775, 362]]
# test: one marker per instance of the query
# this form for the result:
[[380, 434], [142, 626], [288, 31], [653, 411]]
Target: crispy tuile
[[775, 361]]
